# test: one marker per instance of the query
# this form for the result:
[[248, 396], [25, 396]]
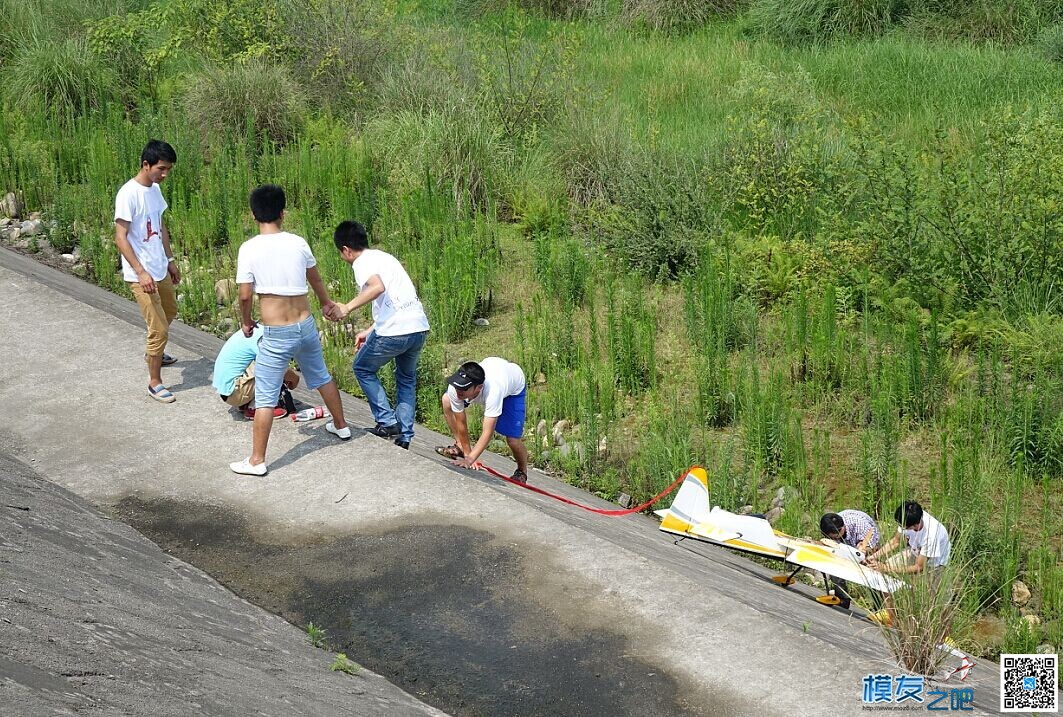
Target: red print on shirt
[[150, 234]]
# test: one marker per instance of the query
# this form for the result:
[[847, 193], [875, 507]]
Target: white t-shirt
[[275, 264], [932, 541], [397, 311], [142, 207], [501, 379]]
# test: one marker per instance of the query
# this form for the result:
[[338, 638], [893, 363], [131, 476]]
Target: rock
[[624, 500], [80, 269], [11, 233], [1032, 621], [540, 427], [226, 290], [34, 216], [1020, 594], [777, 502], [786, 494], [11, 205], [988, 632], [227, 325], [745, 510], [481, 322], [31, 227], [1046, 649], [5, 221], [540, 378], [574, 449], [603, 445], [546, 442], [76, 253], [559, 431], [69, 258], [774, 514]]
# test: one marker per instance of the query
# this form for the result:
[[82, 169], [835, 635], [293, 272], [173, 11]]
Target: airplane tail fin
[[691, 505]]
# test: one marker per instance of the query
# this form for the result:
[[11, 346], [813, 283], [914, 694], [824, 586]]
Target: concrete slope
[[96, 619], [686, 630]]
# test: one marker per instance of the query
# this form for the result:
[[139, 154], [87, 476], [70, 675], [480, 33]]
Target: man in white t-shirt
[[397, 333], [500, 386], [148, 265], [926, 550], [277, 266]]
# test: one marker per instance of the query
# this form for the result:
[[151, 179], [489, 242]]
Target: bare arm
[[121, 239], [484, 441], [171, 266], [373, 288], [247, 295]]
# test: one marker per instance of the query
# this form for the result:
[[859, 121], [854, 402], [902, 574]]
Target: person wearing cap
[[856, 529], [500, 386], [398, 331]]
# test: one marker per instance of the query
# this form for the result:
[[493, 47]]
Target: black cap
[[469, 374]]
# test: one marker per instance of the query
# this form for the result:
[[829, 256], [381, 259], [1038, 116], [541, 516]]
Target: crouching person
[[500, 386], [234, 375]]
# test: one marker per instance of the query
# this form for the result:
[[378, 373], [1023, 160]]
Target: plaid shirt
[[857, 523]]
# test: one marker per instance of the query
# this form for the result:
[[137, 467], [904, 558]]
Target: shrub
[[1007, 21], [1051, 42], [675, 16], [802, 21], [456, 148], [253, 97], [338, 49], [59, 77]]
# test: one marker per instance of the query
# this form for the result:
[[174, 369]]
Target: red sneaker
[[278, 412]]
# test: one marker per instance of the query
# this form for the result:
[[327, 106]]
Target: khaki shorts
[[905, 558], [158, 310], [243, 388]]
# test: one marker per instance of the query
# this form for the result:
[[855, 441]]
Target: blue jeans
[[278, 346], [376, 352]]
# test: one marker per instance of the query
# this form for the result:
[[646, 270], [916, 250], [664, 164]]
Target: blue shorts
[[277, 347], [511, 423]]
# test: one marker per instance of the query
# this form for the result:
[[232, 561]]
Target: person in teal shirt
[[234, 373]]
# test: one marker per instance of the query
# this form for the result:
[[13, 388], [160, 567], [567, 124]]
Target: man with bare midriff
[[278, 265]]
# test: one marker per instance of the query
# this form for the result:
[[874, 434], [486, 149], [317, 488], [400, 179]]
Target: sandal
[[161, 393], [452, 451], [519, 476]]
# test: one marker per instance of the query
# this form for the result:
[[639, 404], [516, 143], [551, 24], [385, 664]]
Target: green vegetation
[[814, 244], [344, 664], [316, 636]]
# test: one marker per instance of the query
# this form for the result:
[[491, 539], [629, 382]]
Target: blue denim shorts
[[277, 347], [511, 422]]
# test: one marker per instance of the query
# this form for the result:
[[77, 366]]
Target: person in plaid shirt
[[856, 529]]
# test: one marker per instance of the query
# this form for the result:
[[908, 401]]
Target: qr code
[[1028, 683]]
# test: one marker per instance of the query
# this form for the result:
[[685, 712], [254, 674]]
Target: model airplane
[[691, 515]]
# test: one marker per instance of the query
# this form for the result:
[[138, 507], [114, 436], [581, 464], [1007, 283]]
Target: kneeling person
[[234, 373], [500, 386]]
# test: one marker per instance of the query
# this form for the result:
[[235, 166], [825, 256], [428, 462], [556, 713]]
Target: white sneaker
[[245, 468], [344, 433]]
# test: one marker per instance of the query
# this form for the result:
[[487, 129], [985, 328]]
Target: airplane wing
[[840, 562]]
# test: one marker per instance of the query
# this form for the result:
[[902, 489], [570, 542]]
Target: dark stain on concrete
[[460, 618]]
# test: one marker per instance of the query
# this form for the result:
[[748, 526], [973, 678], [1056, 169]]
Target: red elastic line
[[599, 511]]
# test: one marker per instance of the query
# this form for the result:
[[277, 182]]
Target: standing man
[[926, 551], [277, 266], [148, 264], [397, 333], [856, 529], [500, 386]]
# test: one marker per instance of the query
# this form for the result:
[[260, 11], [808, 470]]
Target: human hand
[[174, 271], [147, 284], [249, 328], [469, 463], [359, 339]]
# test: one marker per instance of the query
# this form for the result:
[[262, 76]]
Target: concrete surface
[[96, 619], [724, 639]]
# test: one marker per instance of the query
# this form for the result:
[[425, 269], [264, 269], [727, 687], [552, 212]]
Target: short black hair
[[908, 513], [352, 235], [831, 524], [156, 151], [267, 203]]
